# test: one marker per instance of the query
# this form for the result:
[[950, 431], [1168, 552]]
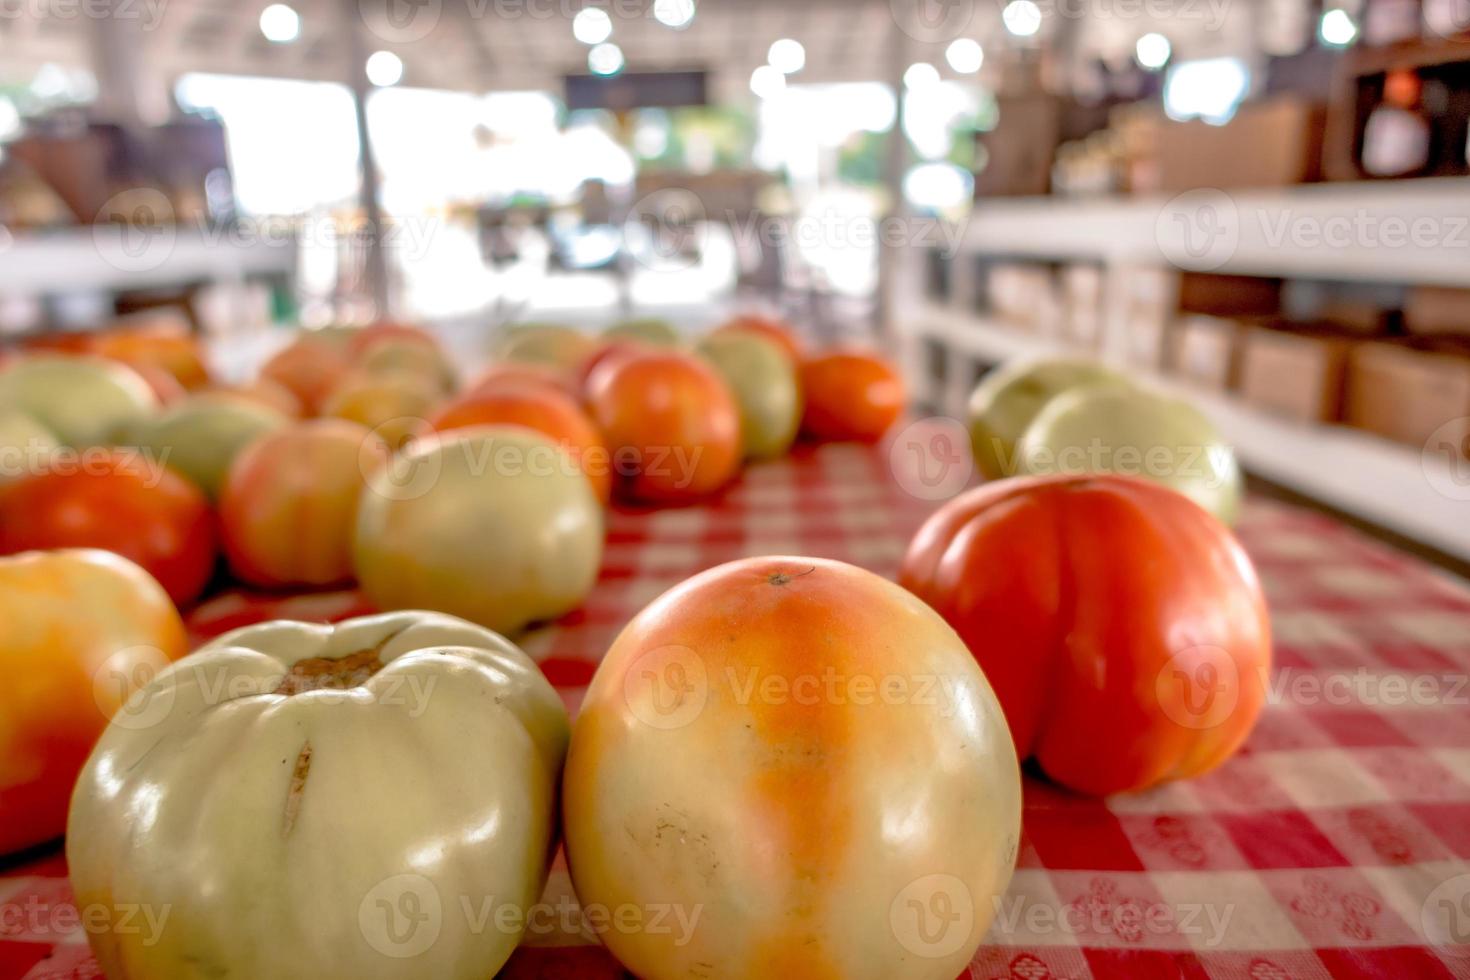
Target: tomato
[[805, 753], [164, 345], [119, 502], [608, 352], [492, 523], [165, 386], [390, 356], [309, 369], [850, 397], [396, 406], [263, 391], [290, 503], [551, 344], [671, 422], [86, 401], [763, 381], [201, 437], [315, 801], [79, 627], [1123, 627], [360, 340], [515, 372], [547, 411], [776, 331], [650, 330]]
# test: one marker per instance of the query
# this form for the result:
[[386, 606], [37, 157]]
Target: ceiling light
[[1022, 17], [673, 13], [592, 25], [384, 68], [965, 55], [787, 56], [605, 59], [280, 24], [1153, 51]]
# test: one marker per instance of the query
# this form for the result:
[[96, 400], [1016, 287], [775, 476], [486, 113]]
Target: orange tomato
[[850, 396], [82, 630], [769, 328], [121, 502], [671, 423], [543, 408], [163, 345], [1122, 626], [608, 352], [396, 406], [799, 748], [290, 503], [310, 370]]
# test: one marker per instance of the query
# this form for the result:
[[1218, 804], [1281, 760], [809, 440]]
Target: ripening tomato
[[545, 409], [360, 340], [671, 422], [166, 387], [310, 370], [773, 330], [394, 405], [608, 352], [289, 505], [166, 344], [82, 630], [263, 391], [806, 753], [850, 397], [118, 501], [1122, 626]]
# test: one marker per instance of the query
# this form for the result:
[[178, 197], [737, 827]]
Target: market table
[[1337, 843]]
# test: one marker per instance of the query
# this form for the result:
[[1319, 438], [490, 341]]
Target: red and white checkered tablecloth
[[1318, 851]]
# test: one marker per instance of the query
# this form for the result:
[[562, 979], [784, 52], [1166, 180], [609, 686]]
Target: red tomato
[[537, 406], [118, 502], [671, 423], [850, 397], [1122, 626], [310, 370], [289, 506], [82, 630], [771, 329]]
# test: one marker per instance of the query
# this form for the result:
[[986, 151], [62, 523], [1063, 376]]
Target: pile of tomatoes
[[783, 767]]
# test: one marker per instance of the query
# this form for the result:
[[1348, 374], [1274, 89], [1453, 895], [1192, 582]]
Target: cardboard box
[[1433, 310], [1205, 351], [1275, 142], [1215, 294], [1025, 295], [1295, 375], [1082, 304], [1406, 394]]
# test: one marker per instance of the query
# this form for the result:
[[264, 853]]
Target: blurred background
[[1261, 203]]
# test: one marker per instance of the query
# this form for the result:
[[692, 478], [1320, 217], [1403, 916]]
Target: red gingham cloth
[[1318, 851]]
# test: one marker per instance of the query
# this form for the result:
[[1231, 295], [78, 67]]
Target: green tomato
[[1132, 432], [763, 379]]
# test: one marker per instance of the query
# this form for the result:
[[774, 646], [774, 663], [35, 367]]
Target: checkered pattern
[[1327, 847]]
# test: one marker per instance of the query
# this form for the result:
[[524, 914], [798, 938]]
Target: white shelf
[[109, 258], [1387, 484], [1409, 231]]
